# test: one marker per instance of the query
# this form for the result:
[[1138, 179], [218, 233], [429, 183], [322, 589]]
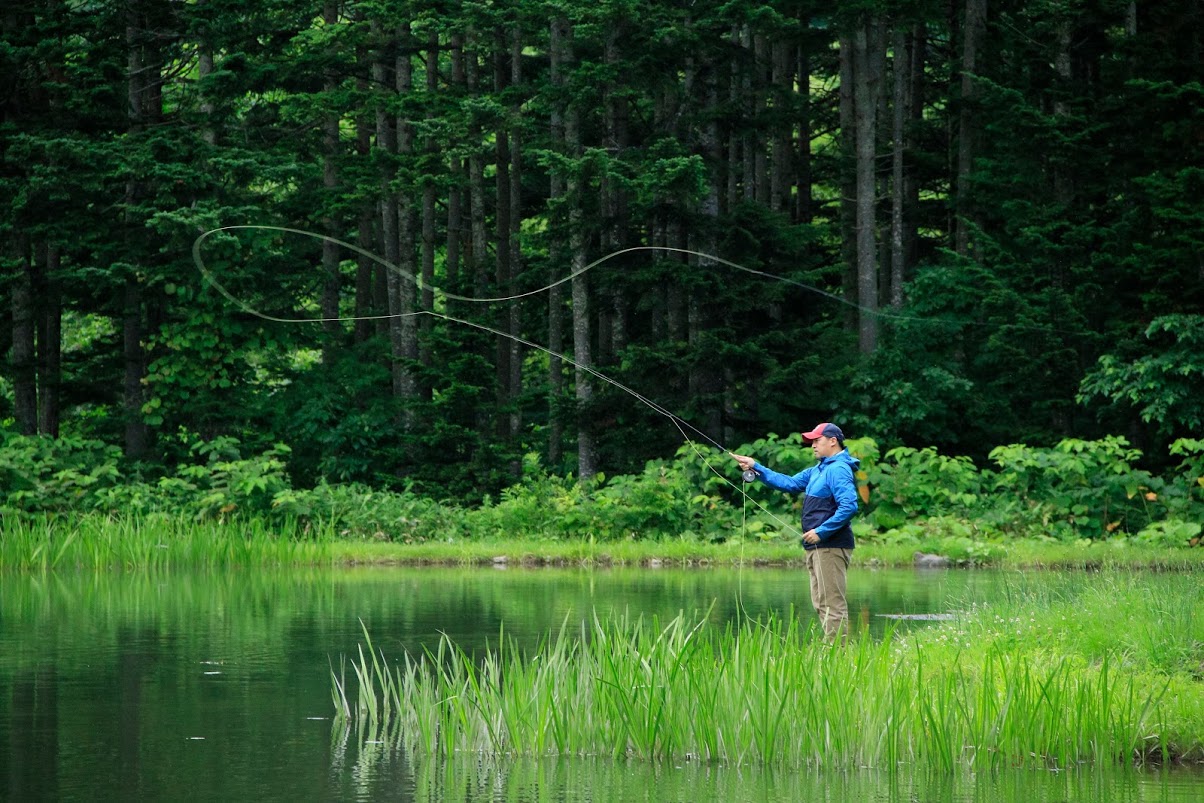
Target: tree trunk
[[848, 179], [762, 70], [612, 325], [506, 396], [604, 352], [911, 184], [587, 453], [136, 434], [429, 199], [479, 245], [803, 208], [734, 164], [514, 317], [901, 116], [975, 25], [748, 144], [712, 149], [659, 325], [365, 307], [476, 181], [364, 238], [140, 110], [1062, 180], [330, 182], [618, 124], [587, 457], [50, 342], [1194, 44], [678, 312], [455, 193], [866, 83], [406, 224], [779, 171], [386, 143], [557, 32], [204, 68], [24, 351], [703, 382], [879, 41], [1062, 65]]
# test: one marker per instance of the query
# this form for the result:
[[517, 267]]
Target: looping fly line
[[409, 277], [680, 423]]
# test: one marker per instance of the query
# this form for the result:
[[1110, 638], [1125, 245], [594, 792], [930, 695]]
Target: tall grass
[[762, 693], [39, 542], [94, 541]]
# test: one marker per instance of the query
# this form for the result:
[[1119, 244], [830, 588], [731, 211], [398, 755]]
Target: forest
[[564, 237]]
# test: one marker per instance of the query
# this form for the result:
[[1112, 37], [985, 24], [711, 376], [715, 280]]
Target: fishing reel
[[749, 476]]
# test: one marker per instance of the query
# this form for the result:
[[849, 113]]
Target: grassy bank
[[1052, 677], [93, 541]]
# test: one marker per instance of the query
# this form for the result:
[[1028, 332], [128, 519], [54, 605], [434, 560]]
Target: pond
[[216, 686]]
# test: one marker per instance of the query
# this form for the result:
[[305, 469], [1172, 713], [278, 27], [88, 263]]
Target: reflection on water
[[217, 686], [381, 774]]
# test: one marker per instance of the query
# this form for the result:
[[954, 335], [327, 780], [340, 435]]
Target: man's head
[[825, 440]]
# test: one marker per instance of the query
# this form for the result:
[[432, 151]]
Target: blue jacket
[[831, 497]]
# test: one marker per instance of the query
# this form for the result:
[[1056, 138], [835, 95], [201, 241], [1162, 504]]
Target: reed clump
[[771, 693]]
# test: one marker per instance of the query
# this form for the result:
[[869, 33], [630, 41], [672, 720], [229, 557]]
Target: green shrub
[[911, 483], [654, 502], [659, 501], [1186, 491], [543, 505], [1076, 489], [357, 511], [224, 483], [1170, 532], [38, 473]]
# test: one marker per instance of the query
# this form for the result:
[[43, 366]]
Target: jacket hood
[[843, 456]]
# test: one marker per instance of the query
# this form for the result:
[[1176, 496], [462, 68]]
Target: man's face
[[824, 447]]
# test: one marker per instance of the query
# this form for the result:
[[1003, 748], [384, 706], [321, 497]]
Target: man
[[829, 503]]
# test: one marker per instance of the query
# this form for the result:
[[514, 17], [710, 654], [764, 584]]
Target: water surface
[[216, 686]]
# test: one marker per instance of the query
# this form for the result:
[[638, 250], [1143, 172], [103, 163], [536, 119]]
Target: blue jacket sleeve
[[844, 491], [784, 482]]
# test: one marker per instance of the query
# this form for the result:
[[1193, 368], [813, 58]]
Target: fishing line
[[680, 423], [409, 277]]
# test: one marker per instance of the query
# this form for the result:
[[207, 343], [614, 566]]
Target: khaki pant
[[827, 568]]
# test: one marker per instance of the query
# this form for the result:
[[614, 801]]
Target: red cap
[[824, 430]]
